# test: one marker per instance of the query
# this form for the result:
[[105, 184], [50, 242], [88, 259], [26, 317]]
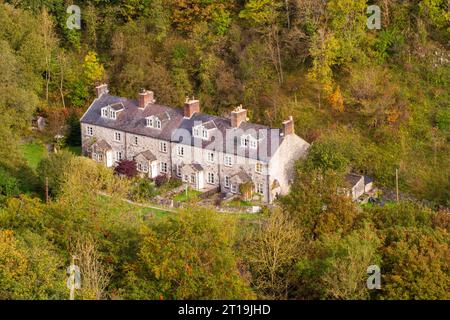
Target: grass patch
[[239, 203], [191, 195], [33, 153], [75, 150]]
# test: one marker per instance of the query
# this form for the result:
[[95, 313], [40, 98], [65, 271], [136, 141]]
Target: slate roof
[[353, 179], [241, 177], [231, 142], [133, 120], [148, 155], [196, 167], [117, 106], [101, 145]]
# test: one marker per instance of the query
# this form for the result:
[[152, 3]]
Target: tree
[[30, 268], [95, 276], [415, 265], [74, 135], [323, 51], [336, 100], [93, 70], [53, 167], [188, 256], [271, 252], [336, 267]]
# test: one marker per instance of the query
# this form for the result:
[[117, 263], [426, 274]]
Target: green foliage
[[8, 184], [337, 267], [260, 12], [53, 168], [189, 256], [30, 268], [93, 70], [143, 190]]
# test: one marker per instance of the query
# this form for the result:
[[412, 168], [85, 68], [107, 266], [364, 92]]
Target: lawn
[[191, 195], [33, 152], [239, 203]]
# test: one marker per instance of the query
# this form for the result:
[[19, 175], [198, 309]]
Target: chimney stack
[[238, 116], [101, 89], [288, 127], [191, 106], [146, 97]]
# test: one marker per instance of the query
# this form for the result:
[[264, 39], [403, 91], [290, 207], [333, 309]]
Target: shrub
[[127, 168], [161, 180], [143, 190]]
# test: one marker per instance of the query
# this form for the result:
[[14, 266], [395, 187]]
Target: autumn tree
[[271, 252], [189, 256]]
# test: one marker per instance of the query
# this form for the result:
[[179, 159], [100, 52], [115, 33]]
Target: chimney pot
[[238, 115], [288, 127], [146, 97], [101, 89], [191, 106]]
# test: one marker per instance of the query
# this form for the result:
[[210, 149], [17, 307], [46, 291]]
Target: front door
[[109, 159], [154, 170]]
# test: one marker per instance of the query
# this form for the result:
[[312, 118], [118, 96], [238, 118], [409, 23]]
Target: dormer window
[[111, 112], [153, 122], [249, 141], [200, 132]]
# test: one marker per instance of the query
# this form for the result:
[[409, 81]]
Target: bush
[[8, 185], [53, 168], [127, 168], [161, 180], [143, 190]]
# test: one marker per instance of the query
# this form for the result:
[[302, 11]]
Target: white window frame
[[149, 122], [228, 160], [227, 180], [253, 143], [119, 135], [90, 131], [119, 156], [234, 188], [205, 135], [136, 140], [196, 132], [211, 178], [180, 151], [105, 112], [245, 141], [142, 167], [163, 147], [210, 157], [179, 171], [260, 188], [259, 167], [163, 167], [158, 124], [112, 114]]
